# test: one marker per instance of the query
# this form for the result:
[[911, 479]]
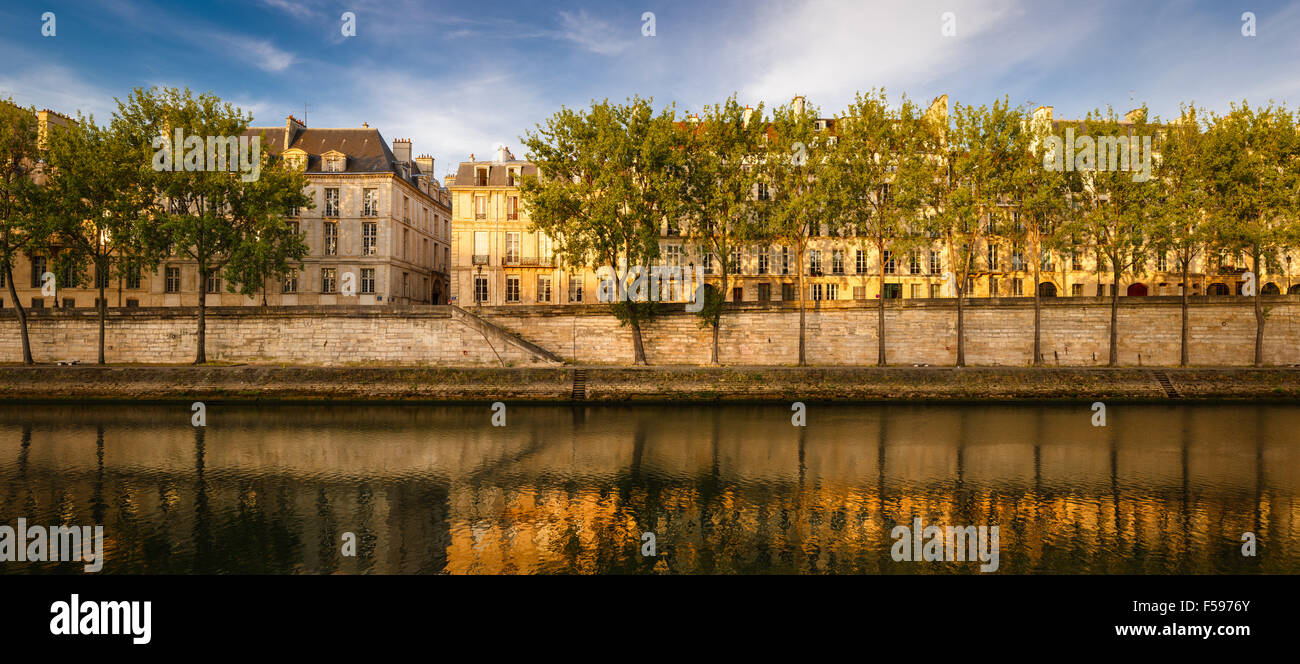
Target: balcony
[[480, 259], [480, 215], [528, 261]]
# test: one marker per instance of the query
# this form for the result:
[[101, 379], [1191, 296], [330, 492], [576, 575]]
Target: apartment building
[[381, 222]]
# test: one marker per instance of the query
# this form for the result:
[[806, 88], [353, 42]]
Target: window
[[369, 238], [328, 280], [1017, 259], [132, 303], [737, 260], [512, 288], [101, 277], [406, 243], [133, 277], [575, 288], [512, 207], [893, 291], [38, 270], [859, 292], [290, 284], [708, 263], [914, 263], [214, 284], [763, 193], [369, 202], [1017, 287], [1162, 261], [480, 207], [861, 263], [993, 286], [2, 279], [332, 202], [785, 261], [814, 262], [915, 291], [512, 247], [1045, 261], [837, 261], [737, 294], [673, 255], [480, 289], [993, 256], [481, 177], [331, 234], [832, 291], [936, 264], [787, 292], [543, 288], [889, 262], [816, 291], [406, 285], [1076, 290], [367, 280], [406, 209], [764, 292], [763, 256], [38, 303], [936, 290], [172, 280]]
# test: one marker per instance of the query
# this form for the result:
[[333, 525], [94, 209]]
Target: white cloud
[[259, 52], [594, 34]]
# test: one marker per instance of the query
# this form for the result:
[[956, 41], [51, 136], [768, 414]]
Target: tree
[[608, 178], [1178, 226], [719, 191], [18, 226], [976, 160], [273, 246], [1041, 196], [1253, 155], [96, 192], [1116, 206], [793, 194], [196, 217], [871, 140]]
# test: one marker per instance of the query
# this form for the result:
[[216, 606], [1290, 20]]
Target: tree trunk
[[1114, 317], [22, 316], [961, 325], [638, 347], [201, 356], [1182, 355], [717, 315], [1259, 314], [1038, 313], [103, 313], [880, 309], [803, 362]]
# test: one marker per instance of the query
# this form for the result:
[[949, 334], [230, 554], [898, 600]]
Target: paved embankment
[[622, 384]]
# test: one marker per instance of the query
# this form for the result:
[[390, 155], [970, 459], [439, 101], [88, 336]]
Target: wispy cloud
[[259, 52], [298, 9], [594, 34]]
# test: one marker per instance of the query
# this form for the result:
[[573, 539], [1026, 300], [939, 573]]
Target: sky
[[464, 77]]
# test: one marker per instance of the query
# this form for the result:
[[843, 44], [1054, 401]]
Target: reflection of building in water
[[1162, 489]]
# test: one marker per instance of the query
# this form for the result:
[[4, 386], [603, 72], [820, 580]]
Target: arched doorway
[[1293, 290], [1137, 290], [1217, 289], [1270, 288], [1047, 289]]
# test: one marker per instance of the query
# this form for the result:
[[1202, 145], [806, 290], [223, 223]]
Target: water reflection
[[735, 489]]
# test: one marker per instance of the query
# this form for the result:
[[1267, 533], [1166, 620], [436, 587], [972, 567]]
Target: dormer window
[[334, 162], [296, 159], [481, 177]]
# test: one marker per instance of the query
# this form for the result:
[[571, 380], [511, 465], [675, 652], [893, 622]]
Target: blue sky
[[462, 77]]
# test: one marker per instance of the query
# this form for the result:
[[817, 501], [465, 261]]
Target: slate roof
[[497, 172], [366, 149]]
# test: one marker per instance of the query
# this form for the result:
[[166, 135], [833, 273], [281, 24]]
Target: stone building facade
[[379, 215]]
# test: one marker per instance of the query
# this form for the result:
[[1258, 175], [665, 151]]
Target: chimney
[[503, 154], [799, 104], [425, 162], [402, 150], [292, 127], [749, 112]]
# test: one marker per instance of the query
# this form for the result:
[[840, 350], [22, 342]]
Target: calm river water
[[724, 489]]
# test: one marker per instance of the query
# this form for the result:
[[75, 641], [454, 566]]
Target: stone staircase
[[498, 336]]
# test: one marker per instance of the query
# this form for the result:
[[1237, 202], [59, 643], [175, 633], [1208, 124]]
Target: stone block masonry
[[999, 332]]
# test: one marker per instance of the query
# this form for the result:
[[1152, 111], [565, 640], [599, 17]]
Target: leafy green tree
[[719, 191], [608, 178], [1116, 209], [794, 194], [1178, 226], [273, 246], [1041, 197], [1252, 156], [19, 227], [206, 215], [871, 140], [97, 194]]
